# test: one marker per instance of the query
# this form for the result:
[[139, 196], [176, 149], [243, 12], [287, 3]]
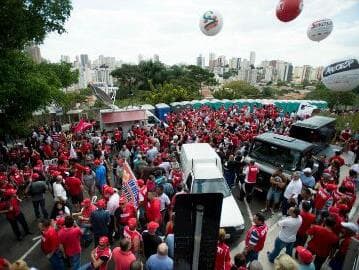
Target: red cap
[[86, 202], [10, 192], [132, 222], [55, 173], [152, 226], [331, 187], [108, 190], [140, 182], [304, 255], [349, 185], [3, 177], [101, 203], [103, 241], [60, 221], [97, 162], [35, 176], [122, 199]]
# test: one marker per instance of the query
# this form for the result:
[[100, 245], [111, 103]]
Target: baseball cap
[[108, 190], [132, 222], [307, 170], [60, 222], [103, 240], [35, 176], [350, 226], [140, 182], [331, 187], [304, 254], [86, 202], [10, 192], [101, 203], [152, 226], [97, 162]]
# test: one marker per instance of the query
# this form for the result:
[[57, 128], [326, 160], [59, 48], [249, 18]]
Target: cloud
[[169, 28]]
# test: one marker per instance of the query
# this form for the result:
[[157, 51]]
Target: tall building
[[221, 61], [252, 59], [268, 73], [84, 60], [200, 61], [235, 63], [306, 73], [212, 61], [245, 64], [288, 72], [34, 52], [156, 58], [65, 58]]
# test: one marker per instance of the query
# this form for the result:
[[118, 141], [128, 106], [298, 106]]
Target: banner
[[129, 185], [82, 126]]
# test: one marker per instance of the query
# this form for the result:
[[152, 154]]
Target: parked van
[[202, 173]]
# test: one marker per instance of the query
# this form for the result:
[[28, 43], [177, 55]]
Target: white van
[[202, 173]]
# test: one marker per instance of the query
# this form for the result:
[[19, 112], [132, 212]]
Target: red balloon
[[288, 10]]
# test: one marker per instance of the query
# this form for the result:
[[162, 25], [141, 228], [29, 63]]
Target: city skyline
[[170, 29]]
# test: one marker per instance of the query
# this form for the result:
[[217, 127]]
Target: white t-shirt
[[59, 191], [165, 201], [289, 228], [293, 189], [113, 203]]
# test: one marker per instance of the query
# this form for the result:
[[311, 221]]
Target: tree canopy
[[237, 89]]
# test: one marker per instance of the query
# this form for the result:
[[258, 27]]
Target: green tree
[[64, 72], [268, 92], [25, 21], [242, 89]]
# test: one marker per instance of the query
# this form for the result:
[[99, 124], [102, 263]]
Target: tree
[[129, 78], [64, 72], [242, 89], [25, 21], [268, 92]]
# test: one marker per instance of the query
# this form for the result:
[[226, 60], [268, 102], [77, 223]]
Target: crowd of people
[[85, 172]]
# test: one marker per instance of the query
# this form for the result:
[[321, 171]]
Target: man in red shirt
[[337, 158], [14, 214], [153, 208], [75, 188], [223, 257], [122, 255], [133, 235], [251, 173], [323, 241], [70, 242], [255, 238], [307, 220], [50, 245], [101, 255]]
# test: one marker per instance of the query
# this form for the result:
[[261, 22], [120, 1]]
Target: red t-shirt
[[105, 255], [307, 220], [122, 259], [15, 204], [223, 257], [49, 240], [74, 185], [323, 240], [153, 210], [70, 239]]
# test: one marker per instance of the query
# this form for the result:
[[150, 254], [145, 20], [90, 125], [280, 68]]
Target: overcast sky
[[170, 28]]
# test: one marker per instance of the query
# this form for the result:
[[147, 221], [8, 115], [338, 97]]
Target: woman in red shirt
[[223, 257]]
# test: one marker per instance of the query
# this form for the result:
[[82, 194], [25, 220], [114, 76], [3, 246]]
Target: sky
[[170, 28]]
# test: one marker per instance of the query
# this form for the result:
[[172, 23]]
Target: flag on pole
[[129, 185]]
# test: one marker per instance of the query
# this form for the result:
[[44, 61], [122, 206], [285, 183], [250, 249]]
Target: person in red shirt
[[337, 158], [123, 214], [251, 173], [122, 255], [307, 220], [223, 257], [14, 214], [50, 245], [133, 235], [323, 241], [100, 256], [70, 242], [255, 238], [75, 188], [153, 208]]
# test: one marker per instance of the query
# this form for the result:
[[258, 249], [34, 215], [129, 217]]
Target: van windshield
[[211, 186], [276, 155]]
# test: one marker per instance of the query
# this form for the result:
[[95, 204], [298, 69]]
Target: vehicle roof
[[315, 122], [284, 141], [206, 171], [199, 151]]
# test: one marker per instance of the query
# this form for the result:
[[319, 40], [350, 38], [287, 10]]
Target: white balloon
[[320, 30], [211, 23], [342, 75]]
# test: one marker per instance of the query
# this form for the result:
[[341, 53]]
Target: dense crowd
[[85, 174]]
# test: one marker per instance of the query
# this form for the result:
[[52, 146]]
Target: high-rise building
[[34, 52], [212, 61], [65, 58], [252, 59], [221, 61], [288, 72], [245, 64], [306, 73], [156, 58], [84, 60], [235, 63], [268, 73], [200, 61]]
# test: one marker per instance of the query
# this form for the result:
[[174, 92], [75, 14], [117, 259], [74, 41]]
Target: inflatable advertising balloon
[[211, 23], [342, 75], [319, 30], [288, 10]]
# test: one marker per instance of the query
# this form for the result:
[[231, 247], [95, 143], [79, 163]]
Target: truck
[[203, 173], [310, 137]]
